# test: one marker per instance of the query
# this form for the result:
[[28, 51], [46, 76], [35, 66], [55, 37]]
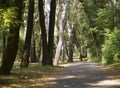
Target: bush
[[111, 47], [117, 57]]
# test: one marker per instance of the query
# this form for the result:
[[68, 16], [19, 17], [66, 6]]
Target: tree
[[33, 57], [43, 32], [13, 38], [71, 31], [63, 11], [47, 45], [26, 51], [51, 32]]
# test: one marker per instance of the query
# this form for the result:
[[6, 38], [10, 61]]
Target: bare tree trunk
[[47, 16], [26, 51], [63, 52], [71, 31], [39, 48], [51, 32], [63, 12], [71, 46], [4, 44], [33, 58], [43, 33], [25, 16]]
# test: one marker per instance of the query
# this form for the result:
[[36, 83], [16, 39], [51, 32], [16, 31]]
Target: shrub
[[111, 46]]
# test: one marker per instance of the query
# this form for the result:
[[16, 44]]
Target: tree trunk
[[71, 31], [71, 46], [47, 36], [12, 42], [4, 44], [25, 16], [39, 48], [63, 52], [47, 16], [51, 32], [43, 33], [95, 40], [26, 51], [33, 58], [63, 13]]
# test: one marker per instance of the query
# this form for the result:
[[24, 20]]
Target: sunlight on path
[[84, 75], [114, 82]]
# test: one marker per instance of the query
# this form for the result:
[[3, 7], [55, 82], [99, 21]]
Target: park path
[[84, 75]]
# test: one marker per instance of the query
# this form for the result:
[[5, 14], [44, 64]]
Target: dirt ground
[[86, 75], [72, 75]]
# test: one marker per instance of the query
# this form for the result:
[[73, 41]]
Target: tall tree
[[51, 31], [63, 11], [13, 39], [26, 51], [47, 43], [43, 33], [71, 31], [33, 57], [47, 16]]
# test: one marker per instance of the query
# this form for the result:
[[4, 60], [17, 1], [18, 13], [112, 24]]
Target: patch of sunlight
[[69, 77], [31, 80], [65, 65], [15, 85], [38, 84], [5, 87], [106, 83], [51, 78]]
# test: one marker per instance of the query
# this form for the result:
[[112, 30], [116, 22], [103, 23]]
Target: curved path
[[84, 75]]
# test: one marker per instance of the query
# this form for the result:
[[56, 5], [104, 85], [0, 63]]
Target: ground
[[73, 75], [86, 75]]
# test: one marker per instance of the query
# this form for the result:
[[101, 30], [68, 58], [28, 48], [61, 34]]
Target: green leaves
[[111, 47], [105, 17], [8, 18]]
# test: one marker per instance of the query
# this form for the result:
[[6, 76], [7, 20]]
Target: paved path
[[84, 75]]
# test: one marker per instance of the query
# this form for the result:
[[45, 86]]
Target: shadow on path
[[84, 75]]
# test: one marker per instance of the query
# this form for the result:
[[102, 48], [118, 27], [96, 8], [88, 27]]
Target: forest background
[[46, 31]]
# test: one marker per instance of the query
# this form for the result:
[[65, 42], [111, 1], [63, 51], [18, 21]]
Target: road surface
[[83, 75]]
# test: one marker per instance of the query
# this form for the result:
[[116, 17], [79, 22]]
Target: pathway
[[84, 75]]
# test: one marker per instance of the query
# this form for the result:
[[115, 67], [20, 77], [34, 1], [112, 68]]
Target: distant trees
[[102, 27]]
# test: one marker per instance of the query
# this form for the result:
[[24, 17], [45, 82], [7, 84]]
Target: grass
[[33, 77], [116, 65]]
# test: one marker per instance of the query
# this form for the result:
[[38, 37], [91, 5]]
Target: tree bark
[[71, 31], [43, 33], [26, 51], [39, 48], [33, 58], [47, 36], [47, 16], [51, 32], [63, 13], [12, 42], [71, 44]]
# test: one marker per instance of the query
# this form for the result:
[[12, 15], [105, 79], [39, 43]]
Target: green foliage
[[105, 18], [117, 57], [111, 47], [8, 20]]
